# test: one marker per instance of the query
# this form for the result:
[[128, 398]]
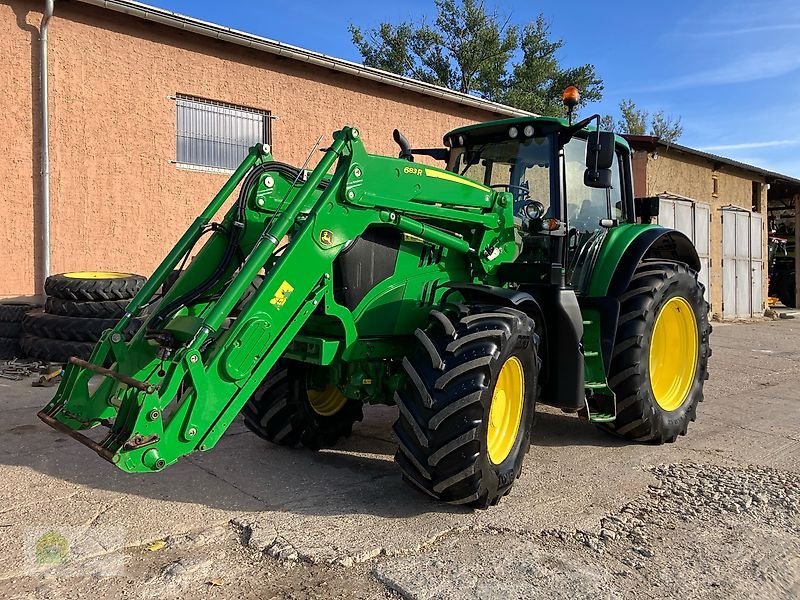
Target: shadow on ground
[[245, 473]]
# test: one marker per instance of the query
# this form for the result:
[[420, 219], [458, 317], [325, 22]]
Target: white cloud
[[750, 67], [745, 30], [750, 145]]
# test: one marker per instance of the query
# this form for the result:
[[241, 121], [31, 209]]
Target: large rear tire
[[284, 411], [660, 358], [466, 410]]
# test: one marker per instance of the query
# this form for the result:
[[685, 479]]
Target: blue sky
[[730, 69]]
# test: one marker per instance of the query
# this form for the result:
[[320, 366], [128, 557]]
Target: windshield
[[521, 167]]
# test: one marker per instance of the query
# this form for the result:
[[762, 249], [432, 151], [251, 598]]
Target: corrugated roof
[[649, 142], [256, 42]]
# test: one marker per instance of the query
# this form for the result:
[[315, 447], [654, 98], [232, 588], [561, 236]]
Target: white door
[[742, 263], [690, 218]]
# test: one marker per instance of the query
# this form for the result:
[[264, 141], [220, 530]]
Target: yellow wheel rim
[[326, 402], [95, 275], [673, 353], [505, 413]]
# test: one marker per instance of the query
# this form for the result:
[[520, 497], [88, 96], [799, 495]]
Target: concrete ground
[[714, 515]]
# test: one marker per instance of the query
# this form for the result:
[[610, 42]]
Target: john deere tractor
[[521, 270]]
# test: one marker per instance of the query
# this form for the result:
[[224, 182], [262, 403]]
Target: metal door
[[691, 218], [742, 263]]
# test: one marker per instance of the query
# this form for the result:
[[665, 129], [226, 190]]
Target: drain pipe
[[45, 172]]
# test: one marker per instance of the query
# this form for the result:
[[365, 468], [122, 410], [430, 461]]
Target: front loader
[[521, 271]]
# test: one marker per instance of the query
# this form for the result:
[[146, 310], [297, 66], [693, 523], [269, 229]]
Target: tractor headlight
[[513, 132], [528, 131], [461, 140]]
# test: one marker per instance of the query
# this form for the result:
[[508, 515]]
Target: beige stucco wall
[[693, 177], [118, 202]]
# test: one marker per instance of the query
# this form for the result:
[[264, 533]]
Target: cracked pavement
[[714, 515]]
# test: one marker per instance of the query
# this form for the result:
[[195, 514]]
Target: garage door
[[742, 263], [691, 218]]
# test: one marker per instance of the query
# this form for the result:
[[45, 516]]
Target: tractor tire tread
[[437, 428], [58, 351], [74, 288], [78, 329], [13, 312], [98, 309]]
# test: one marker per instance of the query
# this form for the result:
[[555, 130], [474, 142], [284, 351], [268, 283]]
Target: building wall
[[118, 202], [693, 177]]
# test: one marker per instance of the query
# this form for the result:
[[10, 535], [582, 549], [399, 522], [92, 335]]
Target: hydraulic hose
[[234, 235]]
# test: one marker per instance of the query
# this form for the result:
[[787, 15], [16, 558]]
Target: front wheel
[[287, 410], [660, 357], [466, 410]]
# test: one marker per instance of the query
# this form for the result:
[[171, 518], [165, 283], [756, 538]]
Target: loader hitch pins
[[129, 381], [86, 441]]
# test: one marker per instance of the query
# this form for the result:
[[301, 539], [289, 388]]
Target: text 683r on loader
[[523, 271]]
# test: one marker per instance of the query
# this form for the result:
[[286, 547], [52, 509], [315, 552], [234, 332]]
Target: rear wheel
[[284, 410], [466, 411], [660, 357]]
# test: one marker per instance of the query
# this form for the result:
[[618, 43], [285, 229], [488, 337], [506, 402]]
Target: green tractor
[[523, 271]]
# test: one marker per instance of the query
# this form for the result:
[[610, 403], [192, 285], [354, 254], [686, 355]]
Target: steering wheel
[[509, 187]]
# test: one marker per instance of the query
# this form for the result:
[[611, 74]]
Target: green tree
[[472, 49], [634, 121]]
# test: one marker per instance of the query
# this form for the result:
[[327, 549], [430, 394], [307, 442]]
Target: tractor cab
[[569, 183]]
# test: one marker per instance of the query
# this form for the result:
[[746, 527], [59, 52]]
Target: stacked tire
[[11, 315], [78, 309]]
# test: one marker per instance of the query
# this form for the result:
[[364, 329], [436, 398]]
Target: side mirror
[[599, 159], [600, 150], [597, 179]]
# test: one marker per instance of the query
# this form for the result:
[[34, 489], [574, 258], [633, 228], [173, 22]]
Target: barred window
[[217, 135]]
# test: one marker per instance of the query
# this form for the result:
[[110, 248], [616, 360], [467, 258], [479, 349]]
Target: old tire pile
[[11, 316], [78, 309]]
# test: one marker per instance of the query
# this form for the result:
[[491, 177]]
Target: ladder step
[[601, 418]]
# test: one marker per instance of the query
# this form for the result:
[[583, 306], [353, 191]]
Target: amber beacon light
[[570, 98]]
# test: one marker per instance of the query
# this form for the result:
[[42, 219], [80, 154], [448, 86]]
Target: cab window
[[585, 205]]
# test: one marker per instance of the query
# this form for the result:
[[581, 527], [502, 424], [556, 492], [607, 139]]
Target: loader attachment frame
[[179, 383]]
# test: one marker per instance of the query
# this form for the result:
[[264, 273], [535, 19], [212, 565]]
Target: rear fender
[[624, 249], [628, 245]]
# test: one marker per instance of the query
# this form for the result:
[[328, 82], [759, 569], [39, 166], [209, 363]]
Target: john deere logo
[[326, 237], [51, 549]]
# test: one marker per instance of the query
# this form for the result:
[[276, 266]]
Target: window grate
[[215, 134]]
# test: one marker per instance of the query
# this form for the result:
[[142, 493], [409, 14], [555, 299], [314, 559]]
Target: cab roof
[[549, 123]]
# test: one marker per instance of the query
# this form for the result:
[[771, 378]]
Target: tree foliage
[[634, 120], [478, 51]]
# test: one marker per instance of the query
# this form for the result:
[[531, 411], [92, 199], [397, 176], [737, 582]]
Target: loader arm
[[178, 384]]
